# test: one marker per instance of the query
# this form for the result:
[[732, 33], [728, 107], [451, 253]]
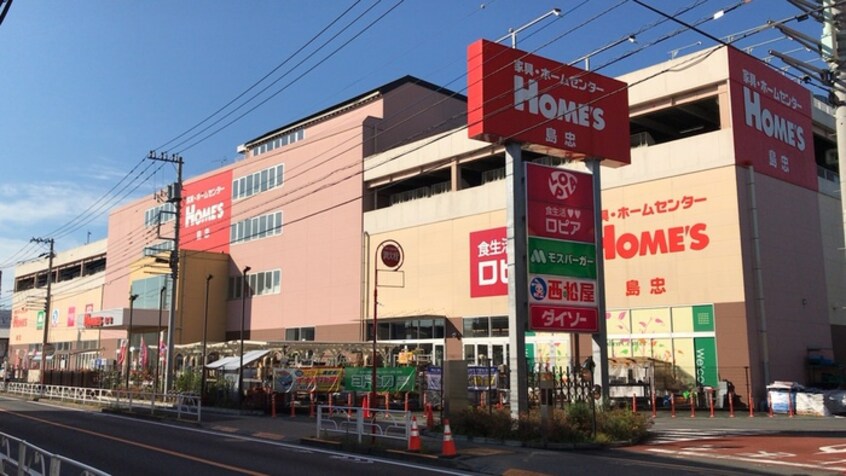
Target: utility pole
[[47, 303], [832, 49], [834, 16], [175, 198]]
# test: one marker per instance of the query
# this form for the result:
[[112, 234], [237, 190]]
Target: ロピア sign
[[516, 96], [488, 263]]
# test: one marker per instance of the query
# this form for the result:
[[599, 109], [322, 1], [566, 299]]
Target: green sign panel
[[703, 318], [705, 349], [388, 379], [562, 258], [39, 319]]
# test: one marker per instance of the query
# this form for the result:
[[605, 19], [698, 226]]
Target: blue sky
[[89, 88]]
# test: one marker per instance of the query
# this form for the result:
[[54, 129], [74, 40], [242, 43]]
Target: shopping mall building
[[723, 238]]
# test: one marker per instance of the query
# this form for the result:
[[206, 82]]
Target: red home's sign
[[516, 96], [771, 121], [206, 213]]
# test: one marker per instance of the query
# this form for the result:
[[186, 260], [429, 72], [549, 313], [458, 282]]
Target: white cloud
[[44, 206]]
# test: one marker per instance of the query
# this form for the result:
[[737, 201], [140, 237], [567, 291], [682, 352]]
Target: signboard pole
[[517, 279], [600, 338]]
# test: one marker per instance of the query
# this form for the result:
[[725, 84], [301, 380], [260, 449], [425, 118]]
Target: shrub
[[571, 425], [623, 425], [483, 423], [188, 381]]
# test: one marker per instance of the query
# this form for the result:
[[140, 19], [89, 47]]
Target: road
[[773, 446], [128, 446], [259, 445]]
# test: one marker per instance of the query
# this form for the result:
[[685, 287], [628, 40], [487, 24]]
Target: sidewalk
[[479, 455]]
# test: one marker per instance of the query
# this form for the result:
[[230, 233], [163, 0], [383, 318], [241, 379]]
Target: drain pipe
[[759, 277], [365, 284]]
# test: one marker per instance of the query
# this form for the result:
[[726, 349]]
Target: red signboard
[[488, 263], [560, 203], [72, 316], [563, 318], [516, 96], [771, 121], [206, 213], [98, 321], [391, 256]]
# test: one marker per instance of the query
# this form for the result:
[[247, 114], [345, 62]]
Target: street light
[[205, 339], [512, 32], [244, 290], [391, 254], [132, 298]]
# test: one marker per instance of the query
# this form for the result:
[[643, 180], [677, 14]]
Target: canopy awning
[[233, 363]]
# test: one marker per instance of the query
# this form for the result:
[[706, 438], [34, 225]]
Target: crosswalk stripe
[[681, 435]]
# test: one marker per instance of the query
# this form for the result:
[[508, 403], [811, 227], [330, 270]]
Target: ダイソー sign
[[563, 318], [516, 96]]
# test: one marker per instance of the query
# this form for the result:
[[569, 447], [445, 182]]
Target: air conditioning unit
[[642, 139], [831, 157]]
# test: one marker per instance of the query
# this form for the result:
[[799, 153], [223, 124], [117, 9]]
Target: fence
[[22, 458], [361, 422], [568, 386], [182, 405]]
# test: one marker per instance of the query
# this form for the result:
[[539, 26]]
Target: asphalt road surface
[[126, 446]]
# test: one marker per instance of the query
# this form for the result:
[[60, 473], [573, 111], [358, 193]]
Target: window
[[408, 329], [499, 326], [277, 142], [254, 228], [257, 182], [159, 214], [476, 327], [470, 353], [260, 284], [300, 334], [496, 326]]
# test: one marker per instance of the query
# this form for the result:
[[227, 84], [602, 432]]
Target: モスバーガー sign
[[516, 96]]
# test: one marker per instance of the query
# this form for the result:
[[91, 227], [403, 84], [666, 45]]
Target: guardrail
[[32, 460], [393, 424], [183, 405]]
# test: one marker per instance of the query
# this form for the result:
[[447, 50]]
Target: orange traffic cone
[[414, 438], [448, 448]]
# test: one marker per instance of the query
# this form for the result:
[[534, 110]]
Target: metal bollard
[[654, 409], [672, 405], [731, 404], [692, 406], [711, 403]]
